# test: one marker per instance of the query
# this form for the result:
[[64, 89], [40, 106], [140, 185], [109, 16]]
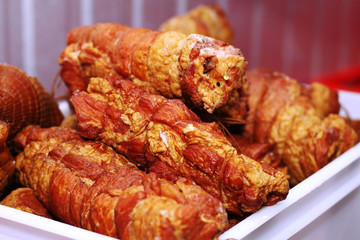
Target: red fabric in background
[[304, 39], [347, 79]]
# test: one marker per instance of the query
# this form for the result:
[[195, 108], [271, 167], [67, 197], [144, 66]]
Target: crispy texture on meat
[[301, 123], [200, 70], [261, 152], [25, 200], [7, 163], [165, 137], [89, 185]]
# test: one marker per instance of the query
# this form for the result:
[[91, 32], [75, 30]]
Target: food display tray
[[323, 206]]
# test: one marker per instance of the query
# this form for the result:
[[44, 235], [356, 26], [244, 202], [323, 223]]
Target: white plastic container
[[323, 206]]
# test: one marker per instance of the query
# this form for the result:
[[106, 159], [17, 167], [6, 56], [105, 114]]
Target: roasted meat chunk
[[7, 163], [164, 136], [202, 71], [301, 122], [89, 185], [24, 199]]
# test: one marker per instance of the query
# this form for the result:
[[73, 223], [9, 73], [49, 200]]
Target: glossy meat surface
[[7, 163], [25, 200], [202, 71], [165, 137], [89, 185], [302, 123]]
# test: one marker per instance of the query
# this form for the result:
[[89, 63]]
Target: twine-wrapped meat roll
[[200, 70], [301, 123], [24, 101], [165, 137], [89, 185]]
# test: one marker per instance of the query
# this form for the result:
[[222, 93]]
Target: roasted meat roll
[[24, 101], [261, 152], [24, 199], [164, 136], [302, 123], [7, 163], [89, 185], [200, 70]]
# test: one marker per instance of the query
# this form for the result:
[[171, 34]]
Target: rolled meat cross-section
[[87, 184], [164, 136], [202, 71]]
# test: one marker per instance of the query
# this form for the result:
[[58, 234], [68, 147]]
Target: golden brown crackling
[[228, 162], [173, 135], [163, 67], [114, 199], [324, 99], [25, 200], [306, 134], [158, 62], [261, 152]]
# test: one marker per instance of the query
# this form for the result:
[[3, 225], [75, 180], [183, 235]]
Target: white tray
[[296, 216], [324, 206]]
